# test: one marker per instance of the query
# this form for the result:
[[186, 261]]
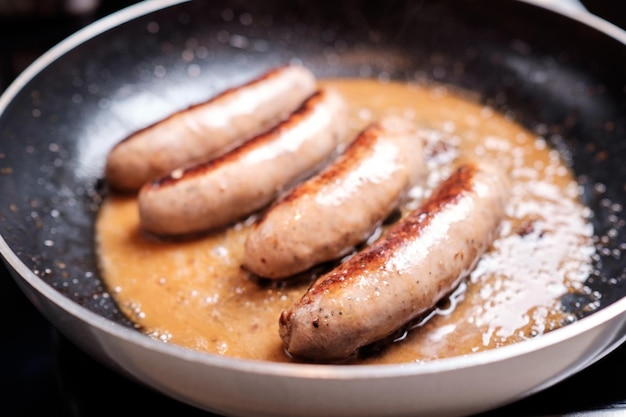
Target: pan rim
[[582, 15], [143, 8], [78, 38], [296, 370]]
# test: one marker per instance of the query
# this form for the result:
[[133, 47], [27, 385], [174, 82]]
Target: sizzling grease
[[194, 293]]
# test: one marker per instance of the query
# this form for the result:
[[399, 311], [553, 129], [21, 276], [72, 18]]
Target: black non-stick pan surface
[[562, 79]]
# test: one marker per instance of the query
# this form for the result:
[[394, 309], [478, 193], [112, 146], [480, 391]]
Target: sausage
[[420, 260], [209, 129], [218, 192], [325, 217]]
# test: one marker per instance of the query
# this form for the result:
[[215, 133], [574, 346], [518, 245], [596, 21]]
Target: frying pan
[[560, 73]]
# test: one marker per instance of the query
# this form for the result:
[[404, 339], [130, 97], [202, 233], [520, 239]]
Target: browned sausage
[[218, 192], [419, 261], [326, 216], [209, 129]]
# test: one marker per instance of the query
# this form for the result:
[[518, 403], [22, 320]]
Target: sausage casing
[[326, 216], [419, 261], [223, 190], [208, 129]]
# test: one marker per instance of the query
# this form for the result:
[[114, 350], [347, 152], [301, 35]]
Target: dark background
[[44, 374]]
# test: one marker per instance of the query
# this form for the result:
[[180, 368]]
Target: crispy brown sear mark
[[418, 262]]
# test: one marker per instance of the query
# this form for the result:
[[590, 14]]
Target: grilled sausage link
[[325, 217], [208, 129], [218, 192], [419, 261]]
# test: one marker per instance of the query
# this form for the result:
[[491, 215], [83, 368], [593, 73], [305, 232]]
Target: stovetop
[[44, 374]]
